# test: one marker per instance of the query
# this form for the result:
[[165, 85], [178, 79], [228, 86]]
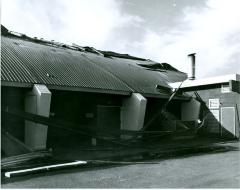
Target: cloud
[[85, 22], [213, 32], [163, 32]]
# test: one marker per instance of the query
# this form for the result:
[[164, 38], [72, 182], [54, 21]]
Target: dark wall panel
[[13, 97]]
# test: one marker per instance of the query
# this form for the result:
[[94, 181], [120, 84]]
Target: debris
[[14, 161], [12, 146]]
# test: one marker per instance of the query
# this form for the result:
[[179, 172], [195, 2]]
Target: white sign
[[215, 114], [214, 103], [225, 89]]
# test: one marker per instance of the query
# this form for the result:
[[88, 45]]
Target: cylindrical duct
[[192, 71]]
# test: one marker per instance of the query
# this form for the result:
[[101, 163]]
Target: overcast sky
[[161, 30]]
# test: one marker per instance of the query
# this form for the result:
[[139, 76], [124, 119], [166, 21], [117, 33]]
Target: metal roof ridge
[[74, 46]]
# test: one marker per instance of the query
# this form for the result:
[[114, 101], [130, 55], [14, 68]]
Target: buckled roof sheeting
[[137, 78], [28, 62]]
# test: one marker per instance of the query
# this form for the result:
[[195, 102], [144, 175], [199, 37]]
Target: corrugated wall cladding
[[28, 62]]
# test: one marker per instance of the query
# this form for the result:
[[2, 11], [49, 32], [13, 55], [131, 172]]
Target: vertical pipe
[[192, 71]]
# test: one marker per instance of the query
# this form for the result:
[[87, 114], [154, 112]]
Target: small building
[[220, 104]]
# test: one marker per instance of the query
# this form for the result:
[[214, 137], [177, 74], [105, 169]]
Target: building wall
[[213, 124], [80, 108], [83, 109]]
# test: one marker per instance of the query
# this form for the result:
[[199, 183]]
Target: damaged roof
[[26, 61]]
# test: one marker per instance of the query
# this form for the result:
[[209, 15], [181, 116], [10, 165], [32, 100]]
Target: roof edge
[[66, 88], [206, 81]]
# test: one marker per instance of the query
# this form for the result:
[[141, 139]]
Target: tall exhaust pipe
[[192, 70]]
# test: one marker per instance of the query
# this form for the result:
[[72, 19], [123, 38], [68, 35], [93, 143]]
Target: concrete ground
[[212, 170]]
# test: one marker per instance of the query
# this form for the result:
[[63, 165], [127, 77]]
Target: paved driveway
[[218, 170]]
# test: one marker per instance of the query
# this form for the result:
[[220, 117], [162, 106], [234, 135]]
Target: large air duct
[[192, 70]]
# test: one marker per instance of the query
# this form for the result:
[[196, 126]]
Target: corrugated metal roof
[[138, 78], [28, 62]]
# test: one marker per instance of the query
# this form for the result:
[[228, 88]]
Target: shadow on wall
[[221, 122]]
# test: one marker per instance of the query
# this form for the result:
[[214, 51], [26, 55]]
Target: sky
[[160, 30]]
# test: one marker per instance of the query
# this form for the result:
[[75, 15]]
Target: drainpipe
[[192, 71]]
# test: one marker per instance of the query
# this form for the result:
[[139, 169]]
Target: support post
[[133, 113], [37, 102]]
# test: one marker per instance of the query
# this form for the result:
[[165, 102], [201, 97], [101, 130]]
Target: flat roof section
[[206, 81]]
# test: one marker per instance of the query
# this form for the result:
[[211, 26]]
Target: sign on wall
[[214, 103], [225, 88]]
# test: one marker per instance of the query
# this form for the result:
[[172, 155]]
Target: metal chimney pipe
[[192, 70]]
